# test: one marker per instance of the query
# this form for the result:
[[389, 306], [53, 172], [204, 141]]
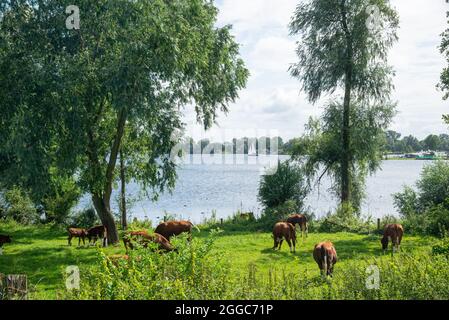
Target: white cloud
[[272, 99]]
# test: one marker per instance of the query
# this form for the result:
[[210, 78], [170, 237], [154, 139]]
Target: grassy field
[[43, 254]]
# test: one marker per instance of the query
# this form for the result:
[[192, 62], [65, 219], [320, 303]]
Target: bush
[[426, 210], [18, 206], [287, 183], [84, 219], [344, 219], [442, 248], [191, 273], [402, 277], [59, 202], [194, 273], [271, 216]]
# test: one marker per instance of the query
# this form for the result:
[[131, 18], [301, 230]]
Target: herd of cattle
[[324, 252]]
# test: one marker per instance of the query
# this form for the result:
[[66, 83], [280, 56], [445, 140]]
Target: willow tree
[[444, 79], [72, 94], [343, 47]]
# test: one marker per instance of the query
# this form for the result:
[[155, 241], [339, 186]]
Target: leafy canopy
[[321, 155], [333, 34], [69, 96]]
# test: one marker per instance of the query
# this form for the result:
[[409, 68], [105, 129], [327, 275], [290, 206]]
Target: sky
[[272, 103]]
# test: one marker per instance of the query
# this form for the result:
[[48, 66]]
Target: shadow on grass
[[43, 265]]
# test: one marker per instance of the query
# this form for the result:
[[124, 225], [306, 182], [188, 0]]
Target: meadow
[[251, 266]]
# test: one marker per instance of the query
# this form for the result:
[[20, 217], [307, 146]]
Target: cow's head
[[384, 242]]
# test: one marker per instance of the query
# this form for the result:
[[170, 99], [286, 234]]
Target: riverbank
[[43, 255]]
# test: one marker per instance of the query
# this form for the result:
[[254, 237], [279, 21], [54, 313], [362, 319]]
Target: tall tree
[[344, 45], [70, 96], [444, 79]]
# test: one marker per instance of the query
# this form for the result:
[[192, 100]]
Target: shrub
[[59, 202], [441, 248], [344, 219], [287, 183], [84, 219], [426, 210], [191, 273], [17, 205]]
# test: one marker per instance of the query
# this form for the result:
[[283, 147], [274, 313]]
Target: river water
[[225, 184]]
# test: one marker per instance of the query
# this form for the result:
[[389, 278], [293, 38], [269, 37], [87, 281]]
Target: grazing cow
[[143, 238], [97, 232], [287, 231], [393, 233], [4, 239], [174, 228], [325, 256], [301, 220], [115, 258], [79, 233]]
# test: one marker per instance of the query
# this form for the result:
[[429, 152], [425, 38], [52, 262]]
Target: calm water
[[227, 184]]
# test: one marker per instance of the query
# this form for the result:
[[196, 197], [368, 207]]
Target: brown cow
[[301, 220], [4, 239], [174, 228], [79, 233], [115, 258], [325, 256], [393, 233], [143, 238], [287, 231], [97, 232]]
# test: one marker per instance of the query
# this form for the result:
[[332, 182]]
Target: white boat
[[252, 151]]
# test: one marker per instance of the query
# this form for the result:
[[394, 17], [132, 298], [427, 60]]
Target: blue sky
[[272, 102]]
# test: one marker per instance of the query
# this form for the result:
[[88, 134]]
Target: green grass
[[42, 254]]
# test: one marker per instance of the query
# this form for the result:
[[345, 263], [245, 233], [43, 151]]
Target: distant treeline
[[262, 145], [394, 143]]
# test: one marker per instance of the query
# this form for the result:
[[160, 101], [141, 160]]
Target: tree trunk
[[123, 191], [107, 219], [346, 156], [346, 132], [102, 199]]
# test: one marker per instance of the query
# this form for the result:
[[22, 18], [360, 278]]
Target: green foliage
[[69, 98], [286, 183], [193, 274], [444, 78], [442, 248], [426, 210], [63, 195], [321, 151], [253, 262], [338, 50], [343, 220], [84, 219], [271, 216], [403, 277], [189, 274], [16, 204], [334, 35]]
